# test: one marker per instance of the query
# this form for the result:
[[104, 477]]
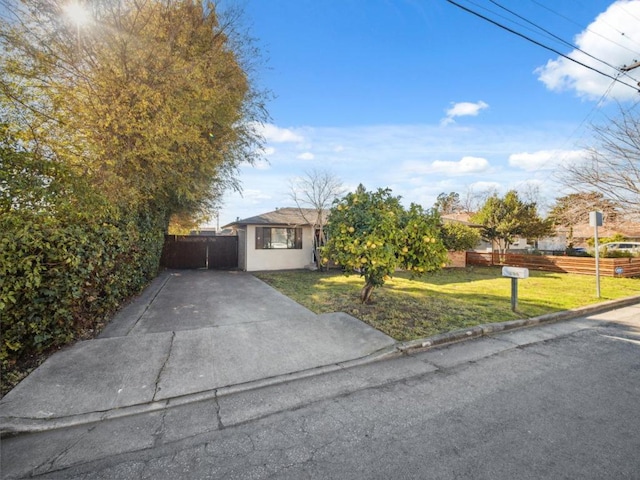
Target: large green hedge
[[68, 255], [60, 276]]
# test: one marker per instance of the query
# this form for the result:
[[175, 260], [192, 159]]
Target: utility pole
[[626, 68], [630, 67]]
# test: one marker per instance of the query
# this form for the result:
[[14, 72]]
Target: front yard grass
[[447, 300]]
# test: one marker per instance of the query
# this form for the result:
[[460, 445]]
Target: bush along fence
[[63, 275], [609, 267]]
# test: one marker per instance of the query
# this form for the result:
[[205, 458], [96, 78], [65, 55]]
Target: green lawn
[[447, 300]]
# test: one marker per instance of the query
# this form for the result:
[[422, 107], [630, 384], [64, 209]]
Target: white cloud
[[545, 159], [467, 165], [255, 196], [306, 156], [463, 109], [275, 134], [268, 151], [602, 39], [416, 161], [480, 187]]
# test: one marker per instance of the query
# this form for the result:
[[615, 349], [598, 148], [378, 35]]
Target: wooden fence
[[609, 267]]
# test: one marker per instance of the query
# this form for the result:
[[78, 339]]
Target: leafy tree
[[316, 191], [149, 101], [616, 237], [447, 203], [372, 234], [107, 131], [458, 237], [506, 218]]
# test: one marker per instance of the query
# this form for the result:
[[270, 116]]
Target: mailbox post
[[515, 273]]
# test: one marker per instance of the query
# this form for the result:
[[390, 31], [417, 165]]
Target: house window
[[280, 238]]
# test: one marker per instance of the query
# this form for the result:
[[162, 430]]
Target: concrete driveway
[[189, 335]]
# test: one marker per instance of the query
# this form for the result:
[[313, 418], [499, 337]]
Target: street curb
[[12, 425], [489, 328]]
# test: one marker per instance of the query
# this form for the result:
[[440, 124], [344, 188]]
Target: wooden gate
[[193, 251]]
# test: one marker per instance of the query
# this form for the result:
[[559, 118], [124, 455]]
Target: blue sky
[[423, 97]]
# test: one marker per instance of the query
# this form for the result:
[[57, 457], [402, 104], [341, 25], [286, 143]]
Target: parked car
[[631, 247], [578, 252]]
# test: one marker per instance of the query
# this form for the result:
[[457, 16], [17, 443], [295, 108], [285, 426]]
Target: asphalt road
[[555, 402]]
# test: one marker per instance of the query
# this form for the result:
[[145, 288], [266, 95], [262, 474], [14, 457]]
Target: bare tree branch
[[613, 165], [313, 194]]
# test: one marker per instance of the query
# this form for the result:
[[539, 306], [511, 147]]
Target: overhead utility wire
[[588, 29], [504, 27], [597, 105], [526, 27], [569, 44], [621, 7]]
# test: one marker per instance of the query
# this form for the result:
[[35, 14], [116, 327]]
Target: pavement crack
[[164, 365], [49, 465], [221, 425], [159, 433]]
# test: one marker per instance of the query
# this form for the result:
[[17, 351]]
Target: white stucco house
[[278, 240]]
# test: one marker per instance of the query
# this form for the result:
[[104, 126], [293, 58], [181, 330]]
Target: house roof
[[460, 217], [304, 216], [281, 216], [626, 228]]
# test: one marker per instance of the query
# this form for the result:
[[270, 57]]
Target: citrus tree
[[372, 234]]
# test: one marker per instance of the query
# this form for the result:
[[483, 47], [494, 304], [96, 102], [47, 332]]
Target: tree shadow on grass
[[469, 274], [415, 309], [408, 317]]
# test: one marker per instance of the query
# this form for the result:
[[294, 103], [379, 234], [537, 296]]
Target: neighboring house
[[556, 243], [559, 241], [578, 235], [581, 233], [278, 240]]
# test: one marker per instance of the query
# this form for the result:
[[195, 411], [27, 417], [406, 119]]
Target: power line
[[570, 20], [544, 166], [497, 14], [546, 47], [569, 44], [621, 7]]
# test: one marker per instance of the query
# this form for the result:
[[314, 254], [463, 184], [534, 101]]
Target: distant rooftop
[[460, 217]]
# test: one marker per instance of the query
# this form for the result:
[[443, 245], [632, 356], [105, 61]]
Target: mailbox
[[515, 272]]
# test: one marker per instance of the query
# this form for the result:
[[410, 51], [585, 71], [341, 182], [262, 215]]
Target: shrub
[[616, 254], [61, 275]]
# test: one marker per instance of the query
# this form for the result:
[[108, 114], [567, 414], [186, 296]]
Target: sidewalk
[[190, 335], [197, 335]]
